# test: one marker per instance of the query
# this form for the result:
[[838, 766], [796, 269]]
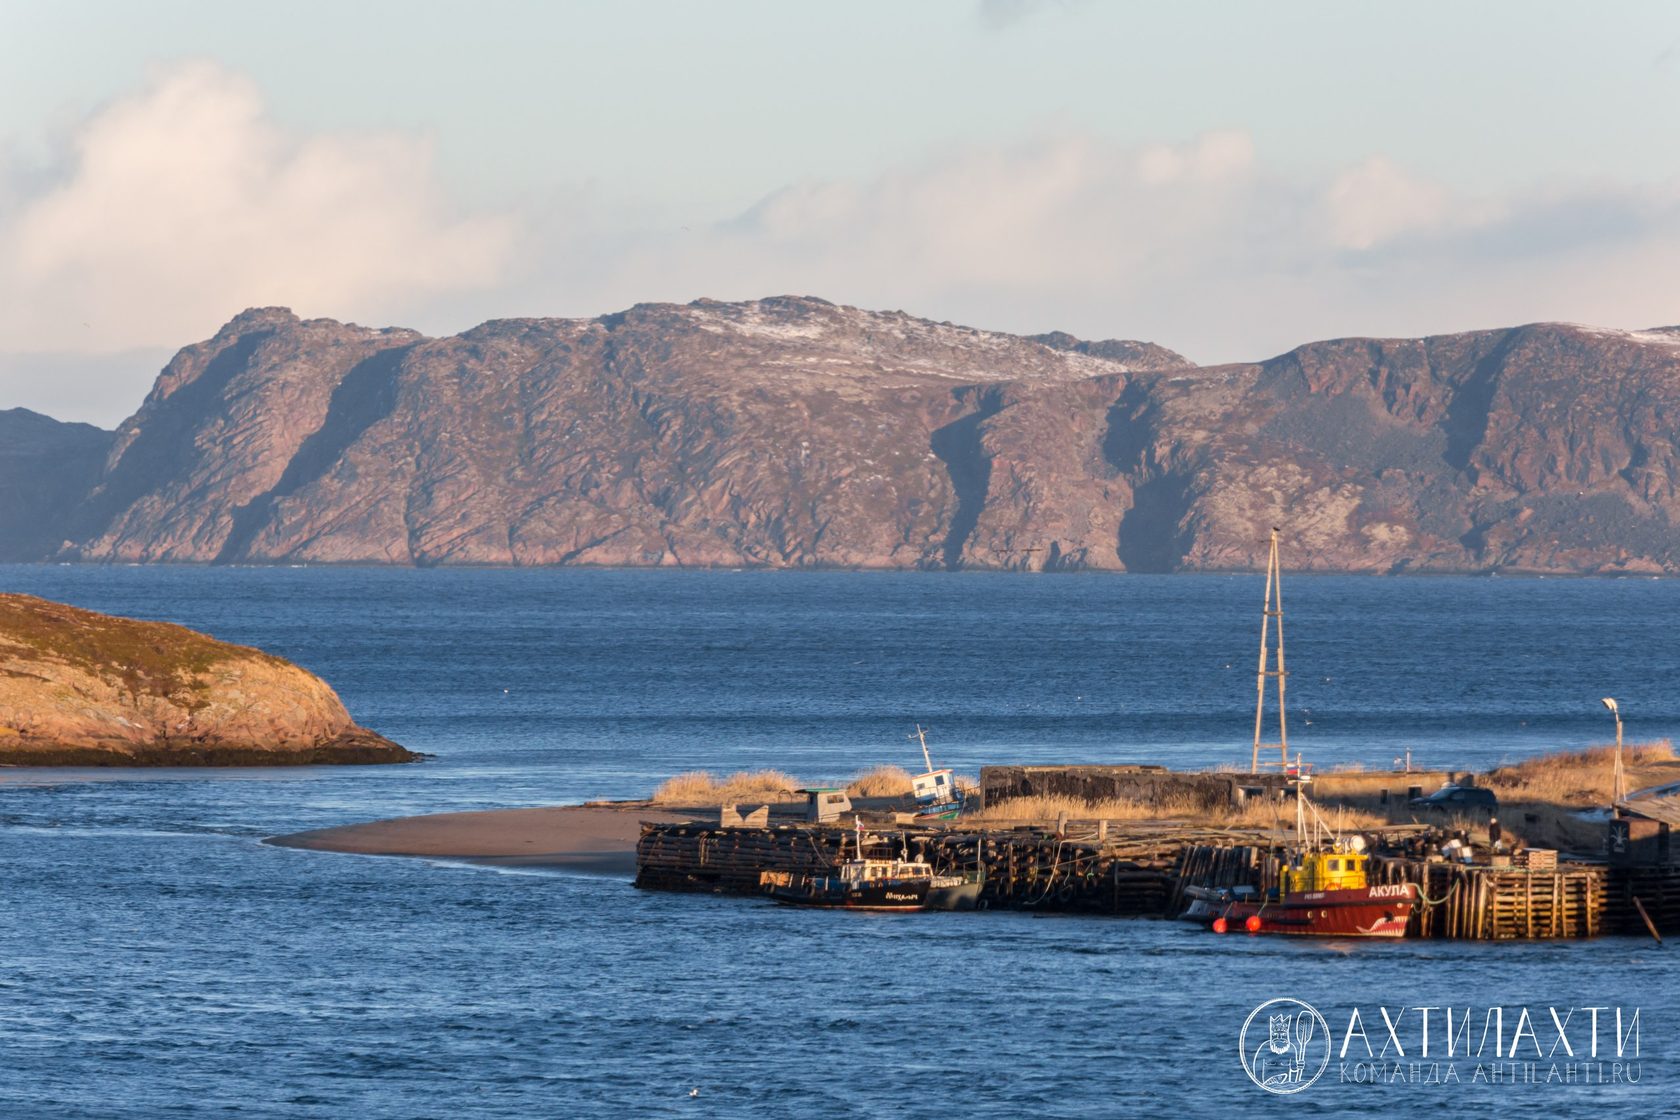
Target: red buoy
[[1219, 925], [1253, 923]]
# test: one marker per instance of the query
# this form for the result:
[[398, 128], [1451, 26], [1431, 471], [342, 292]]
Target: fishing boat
[[1324, 888], [935, 791], [864, 884]]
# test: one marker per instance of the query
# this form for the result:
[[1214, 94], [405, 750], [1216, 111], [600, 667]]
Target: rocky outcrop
[[79, 688], [793, 432]]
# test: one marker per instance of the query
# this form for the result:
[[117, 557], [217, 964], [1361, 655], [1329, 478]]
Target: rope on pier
[[1431, 903]]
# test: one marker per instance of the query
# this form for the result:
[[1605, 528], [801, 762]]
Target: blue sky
[[1227, 179]]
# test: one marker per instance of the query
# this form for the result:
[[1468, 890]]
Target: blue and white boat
[[935, 791]]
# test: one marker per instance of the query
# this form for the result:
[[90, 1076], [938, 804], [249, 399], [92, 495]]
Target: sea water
[[157, 959]]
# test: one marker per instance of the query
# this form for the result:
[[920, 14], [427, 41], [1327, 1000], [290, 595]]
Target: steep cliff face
[[230, 423], [82, 688], [1544, 448], [789, 432], [780, 432]]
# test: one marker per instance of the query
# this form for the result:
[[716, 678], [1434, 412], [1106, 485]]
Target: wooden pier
[[1481, 903], [1143, 871], [1076, 870]]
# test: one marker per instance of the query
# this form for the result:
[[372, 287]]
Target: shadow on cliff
[[1467, 415], [961, 447], [164, 450], [1153, 536], [365, 396]]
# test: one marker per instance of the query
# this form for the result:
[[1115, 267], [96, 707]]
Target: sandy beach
[[592, 838]]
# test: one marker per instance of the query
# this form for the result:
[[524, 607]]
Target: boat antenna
[[1272, 609], [921, 737]]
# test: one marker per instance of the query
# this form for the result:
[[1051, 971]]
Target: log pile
[[1028, 869], [1222, 865], [1022, 868], [703, 857], [1480, 903]]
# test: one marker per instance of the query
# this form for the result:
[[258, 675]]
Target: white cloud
[[1377, 201], [184, 203]]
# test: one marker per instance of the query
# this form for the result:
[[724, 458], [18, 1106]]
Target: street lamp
[[1618, 785]]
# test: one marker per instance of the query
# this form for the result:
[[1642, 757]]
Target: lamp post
[[1618, 790]]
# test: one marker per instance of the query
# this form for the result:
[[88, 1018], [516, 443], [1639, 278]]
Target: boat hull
[[958, 896], [1377, 911], [833, 895]]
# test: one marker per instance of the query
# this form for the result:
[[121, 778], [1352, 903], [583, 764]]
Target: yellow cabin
[[1325, 871]]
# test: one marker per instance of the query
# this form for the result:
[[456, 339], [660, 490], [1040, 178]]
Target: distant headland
[[792, 432]]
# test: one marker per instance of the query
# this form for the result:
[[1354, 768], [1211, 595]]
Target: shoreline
[[363, 749], [597, 839]]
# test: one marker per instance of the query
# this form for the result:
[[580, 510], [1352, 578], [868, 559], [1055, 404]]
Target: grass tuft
[[883, 781], [699, 787]]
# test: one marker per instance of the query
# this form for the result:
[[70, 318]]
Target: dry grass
[[699, 787], [1579, 778], [1257, 814], [883, 781]]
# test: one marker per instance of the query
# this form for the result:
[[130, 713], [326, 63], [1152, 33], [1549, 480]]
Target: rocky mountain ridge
[[793, 432]]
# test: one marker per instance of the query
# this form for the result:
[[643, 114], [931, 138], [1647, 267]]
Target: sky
[[1227, 179]]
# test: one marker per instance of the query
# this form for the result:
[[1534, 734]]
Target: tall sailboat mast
[[1273, 609]]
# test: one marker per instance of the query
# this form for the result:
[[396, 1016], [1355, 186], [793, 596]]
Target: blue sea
[[158, 960]]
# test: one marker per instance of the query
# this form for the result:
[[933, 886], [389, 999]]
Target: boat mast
[[1272, 609], [921, 737], [1301, 808]]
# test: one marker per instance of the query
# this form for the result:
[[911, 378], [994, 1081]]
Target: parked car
[[1450, 799]]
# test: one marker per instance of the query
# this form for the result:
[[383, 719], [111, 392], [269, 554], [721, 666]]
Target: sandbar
[[593, 838]]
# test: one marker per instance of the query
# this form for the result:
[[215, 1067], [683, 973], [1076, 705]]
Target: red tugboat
[[1324, 891]]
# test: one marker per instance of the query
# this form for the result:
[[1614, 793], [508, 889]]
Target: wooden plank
[[1649, 924]]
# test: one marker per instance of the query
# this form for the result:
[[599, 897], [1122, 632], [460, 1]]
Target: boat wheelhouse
[[935, 791]]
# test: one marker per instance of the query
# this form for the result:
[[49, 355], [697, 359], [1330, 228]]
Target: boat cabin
[[1325, 871], [936, 787], [825, 803], [879, 870]]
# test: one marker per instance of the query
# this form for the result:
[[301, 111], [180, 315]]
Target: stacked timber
[[1021, 869], [1027, 869], [1478, 903], [700, 857], [1222, 865]]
